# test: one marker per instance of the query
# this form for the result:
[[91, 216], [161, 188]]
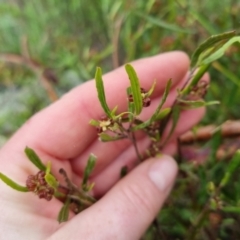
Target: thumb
[[127, 210]]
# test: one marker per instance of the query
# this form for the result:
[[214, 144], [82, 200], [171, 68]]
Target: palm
[[62, 134]]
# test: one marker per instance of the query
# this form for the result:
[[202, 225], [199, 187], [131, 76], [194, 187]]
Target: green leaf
[[234, 163], [104, 137], [231, 209], [160, 23], [163, 113], [135, 88], [101, 92], [94, 123], [209, 43], [211, 188], [88, 169], [13, 184], [226, 72], [203, 69], [113, 112], [231, 168], [33, 157], [64, 212], [163, 100], [175, 117], [89, 187], [48, 168], [186, 104], [157, 111], [220, 52], [204, 21], [149, 93], [50, 179]]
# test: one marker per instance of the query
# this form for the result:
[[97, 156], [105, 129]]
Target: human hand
[[61, 134]]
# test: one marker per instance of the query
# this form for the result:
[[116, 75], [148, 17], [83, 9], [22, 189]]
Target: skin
[[61, 134]]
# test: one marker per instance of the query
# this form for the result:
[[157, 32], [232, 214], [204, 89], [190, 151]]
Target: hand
[[61, 134]]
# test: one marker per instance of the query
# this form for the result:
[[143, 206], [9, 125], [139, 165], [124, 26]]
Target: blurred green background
[[48, 47], [68, 39]]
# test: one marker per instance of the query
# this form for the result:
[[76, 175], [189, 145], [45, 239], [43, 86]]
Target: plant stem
[[134, 142], [195, 79], [184, 91], [198, 224]]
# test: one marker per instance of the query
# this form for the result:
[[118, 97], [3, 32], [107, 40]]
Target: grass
[[70, 38]]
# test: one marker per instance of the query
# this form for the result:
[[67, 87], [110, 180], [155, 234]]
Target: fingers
[[63, 131], [127, 210]]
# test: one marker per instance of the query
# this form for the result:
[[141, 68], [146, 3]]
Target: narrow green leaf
[[48, 168], [160, 23], [233, 165], [226, 72], [149, 93], [220, 52], [163, 113], [163, 100], [231, 209], [94, 123], [157, 111], [33, 157], [89, 187], [135, 88], [113, 112], [104, 137], [175, 117], [203, 69], [204, 21], [186, 104], [124, 116], [210, 42], [13, 184], [88, 169], [50, 179], [101, 92], [64, 212]]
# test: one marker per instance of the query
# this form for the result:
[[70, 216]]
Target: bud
[[37, 184]]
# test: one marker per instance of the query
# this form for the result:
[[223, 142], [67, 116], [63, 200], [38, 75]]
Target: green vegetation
[[58, 44]]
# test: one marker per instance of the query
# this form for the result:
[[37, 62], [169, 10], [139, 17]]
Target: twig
[[39, 70], [167, 119], [191, 81], [134, 142], [227, 129], [199, 222]]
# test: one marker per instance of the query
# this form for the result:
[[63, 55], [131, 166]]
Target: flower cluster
[[199, 91], [105, 124], [37, 184]]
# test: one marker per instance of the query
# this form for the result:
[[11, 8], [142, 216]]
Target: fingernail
[[163, 172]]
